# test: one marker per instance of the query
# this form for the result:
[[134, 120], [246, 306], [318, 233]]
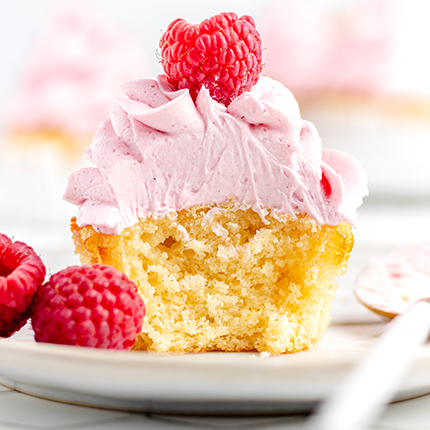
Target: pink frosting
[[312, 46], [159, 152], [394, 282], [74, 72]]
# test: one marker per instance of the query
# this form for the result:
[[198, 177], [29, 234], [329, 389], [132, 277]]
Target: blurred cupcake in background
[[70, 78], [359, 71], [62, 93]]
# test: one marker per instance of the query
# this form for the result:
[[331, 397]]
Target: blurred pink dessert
[[71, 76], [359, 74], [64, 91], [316, 50], [391, 284]]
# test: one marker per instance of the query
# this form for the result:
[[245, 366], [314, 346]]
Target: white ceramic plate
[[197, 383]]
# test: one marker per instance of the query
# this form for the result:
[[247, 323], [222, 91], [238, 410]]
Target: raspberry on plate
[[21, 272], [95, 306], [223, 53]]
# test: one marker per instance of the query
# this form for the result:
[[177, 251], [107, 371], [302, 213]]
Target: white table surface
[[21, 411]]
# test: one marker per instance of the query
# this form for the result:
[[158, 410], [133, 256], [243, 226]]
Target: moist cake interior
[[219, 278]]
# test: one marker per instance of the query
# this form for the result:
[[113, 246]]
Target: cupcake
[[216, 198], [357, 70], [66, 86], [64, 91]]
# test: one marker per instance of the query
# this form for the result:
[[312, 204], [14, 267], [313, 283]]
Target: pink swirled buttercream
[[159, 152]]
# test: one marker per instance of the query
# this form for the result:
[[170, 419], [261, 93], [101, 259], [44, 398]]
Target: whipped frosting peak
[[161, 152]]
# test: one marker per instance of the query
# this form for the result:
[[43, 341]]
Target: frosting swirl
[[159, 152]]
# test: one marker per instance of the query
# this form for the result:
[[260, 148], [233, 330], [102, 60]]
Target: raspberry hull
[[21, 272], [223, 53], [94, 306]]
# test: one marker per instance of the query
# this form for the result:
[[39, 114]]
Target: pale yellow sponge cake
[[232, 282]]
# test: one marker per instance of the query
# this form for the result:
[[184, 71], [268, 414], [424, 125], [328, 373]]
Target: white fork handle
[[358, 401]]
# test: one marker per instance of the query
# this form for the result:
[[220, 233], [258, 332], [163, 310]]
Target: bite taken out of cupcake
[[211, 193]]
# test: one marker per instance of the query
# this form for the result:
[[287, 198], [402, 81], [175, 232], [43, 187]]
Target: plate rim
[[275, 382]]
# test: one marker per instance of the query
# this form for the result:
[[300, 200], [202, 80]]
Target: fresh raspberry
[[223, 53], [21, 272], [95, 306]]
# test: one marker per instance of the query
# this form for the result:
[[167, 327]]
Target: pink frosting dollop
[[320, 46], [161, 152], [73, 72]]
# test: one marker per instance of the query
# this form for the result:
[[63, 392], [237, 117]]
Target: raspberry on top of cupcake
[[222, 54], [197, 175]]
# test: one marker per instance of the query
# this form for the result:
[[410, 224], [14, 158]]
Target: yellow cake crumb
[[221, 279]]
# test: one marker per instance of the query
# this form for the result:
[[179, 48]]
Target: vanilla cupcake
[[62, 94], [230, 218], [66, 85], [358, 71]]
